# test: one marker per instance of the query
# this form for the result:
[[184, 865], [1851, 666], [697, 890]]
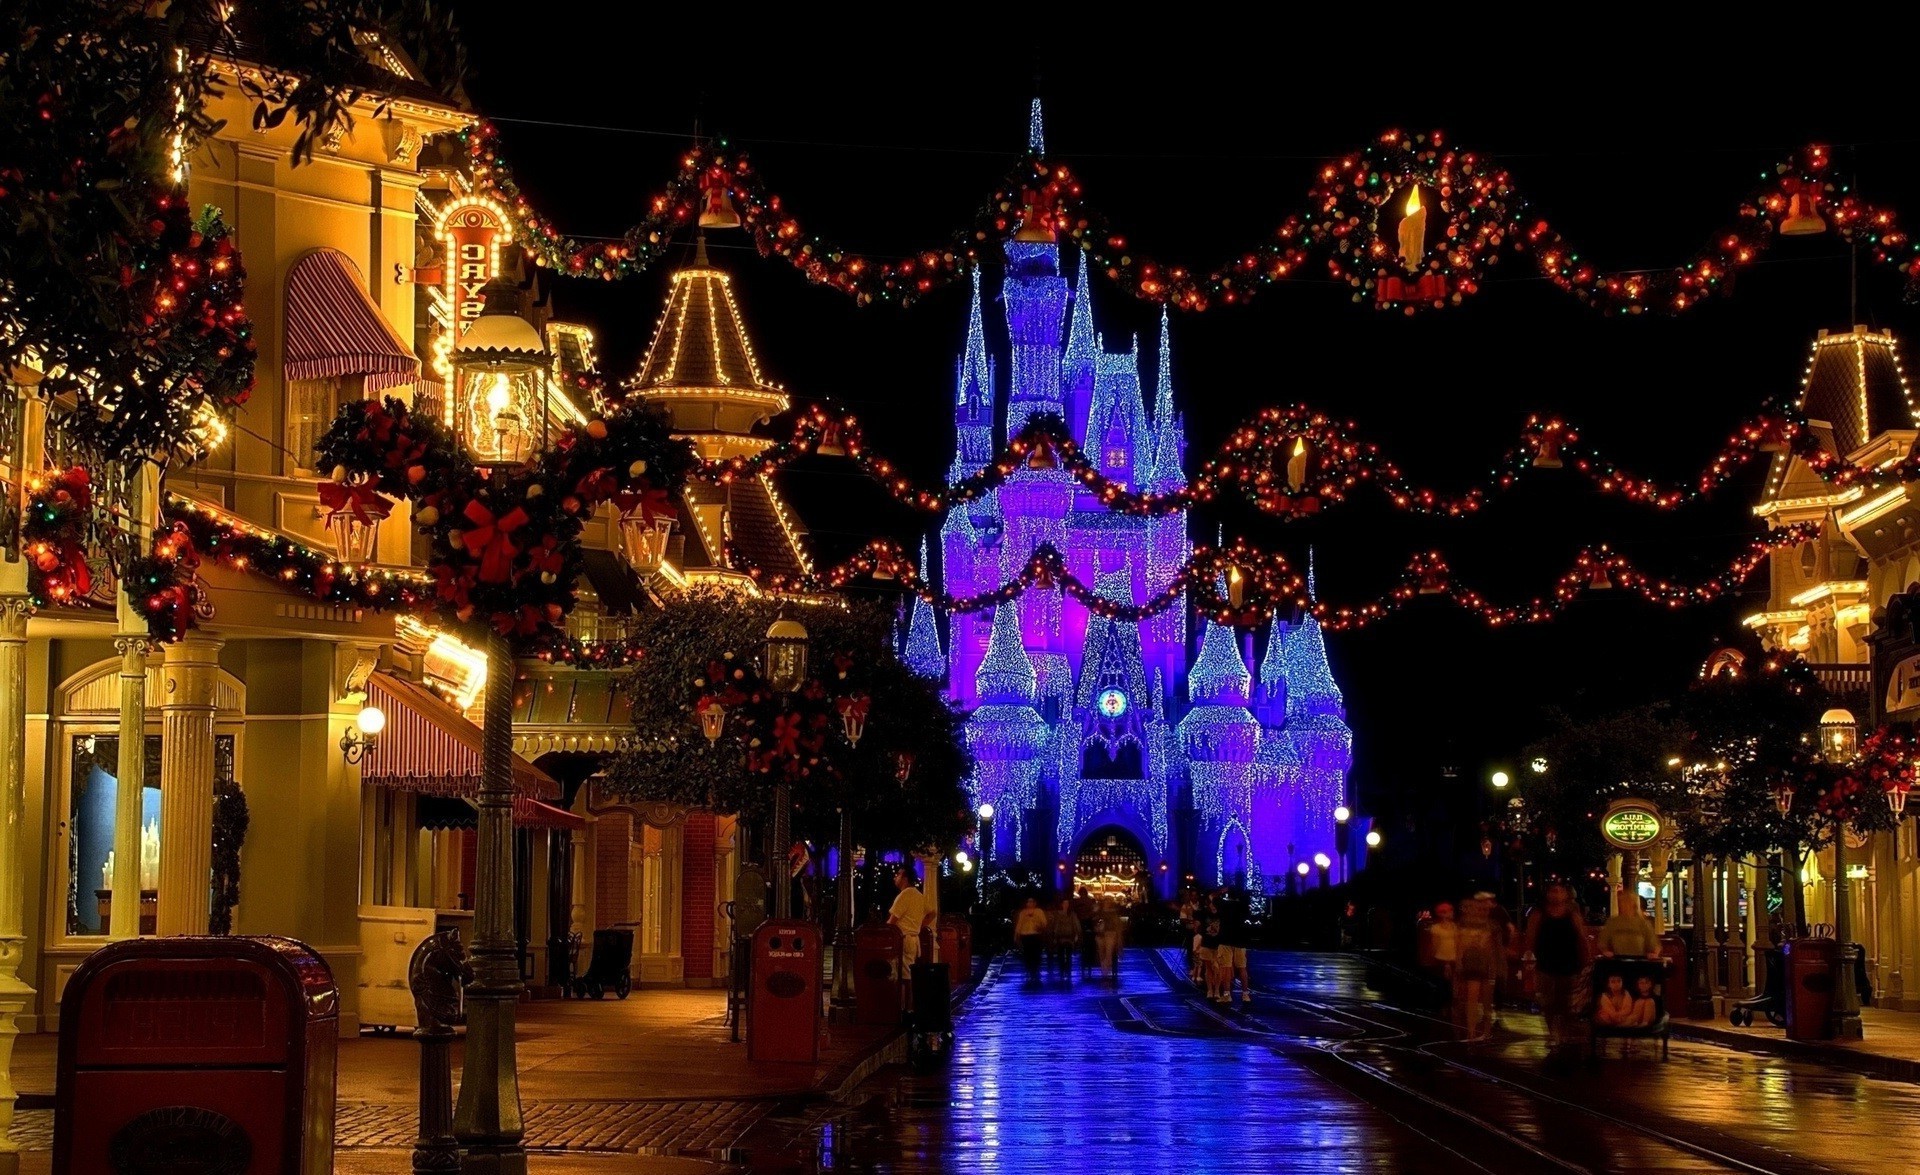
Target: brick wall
[[697, 896], [611, 835]]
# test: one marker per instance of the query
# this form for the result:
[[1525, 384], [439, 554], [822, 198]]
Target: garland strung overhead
[[1409, 222], [1241, 586], [1293, 462]]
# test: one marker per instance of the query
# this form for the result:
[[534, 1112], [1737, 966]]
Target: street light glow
[[1539, 766], [1373, 838], [1302, 868], [985, 811], [1501, 779], [1342, 814], [1323, 861]]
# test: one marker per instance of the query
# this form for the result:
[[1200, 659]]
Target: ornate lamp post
[[500, 411], [786, 661], [1343, 840], [1840, 742]]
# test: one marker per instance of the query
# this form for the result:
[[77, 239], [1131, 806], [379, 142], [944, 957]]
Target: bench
[[1630, 971]]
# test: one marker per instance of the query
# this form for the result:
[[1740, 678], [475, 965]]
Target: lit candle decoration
[[1297, 465], [1413, 232]]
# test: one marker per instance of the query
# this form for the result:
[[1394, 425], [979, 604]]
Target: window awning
[[334, 328], [441, 812], [430, 747]]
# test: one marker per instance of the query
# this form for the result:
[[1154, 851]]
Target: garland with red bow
[[1358, 227]]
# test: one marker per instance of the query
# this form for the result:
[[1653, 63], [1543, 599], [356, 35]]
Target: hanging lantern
[[1803, 217], [646, 522], [713, 719], [1783, 798], [1897, 799], [716, 205], [903, 765], [787, 654], [500, 371], [354, 514], [853, 716], [1839, 736]]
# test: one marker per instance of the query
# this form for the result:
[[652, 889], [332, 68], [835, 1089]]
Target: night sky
[[1637, 155]]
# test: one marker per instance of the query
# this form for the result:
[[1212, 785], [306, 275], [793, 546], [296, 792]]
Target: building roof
[[250, 40], [1854, 383], [759, 530], [700, 342]]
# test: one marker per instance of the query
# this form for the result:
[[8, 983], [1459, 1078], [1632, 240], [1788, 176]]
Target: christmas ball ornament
[[571, 504], [597, 429], [426, 516], [339, 473], [637, 469], [548, 577], [416, 474], [535, 490]]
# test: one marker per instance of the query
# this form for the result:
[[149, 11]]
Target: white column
[[124, 920], [14, 992], [581, 922], [188, 678]]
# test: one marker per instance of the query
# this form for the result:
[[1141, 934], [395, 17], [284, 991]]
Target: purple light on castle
[[1095, 734]]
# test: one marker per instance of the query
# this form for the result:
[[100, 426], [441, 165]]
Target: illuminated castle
[[1086, 728]]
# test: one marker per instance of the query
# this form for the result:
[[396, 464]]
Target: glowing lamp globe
[[1303, 868], [1501, 779], [371, 720], [787, 654], [500, 382], [1839, 736], [1373, 838], [985, 811], [1342, 814], [1322, 861]]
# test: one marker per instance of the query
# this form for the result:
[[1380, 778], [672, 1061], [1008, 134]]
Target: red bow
[[597, 486], [786, 734], [651, 504], [359, 497], [547, 558], [489, 539]]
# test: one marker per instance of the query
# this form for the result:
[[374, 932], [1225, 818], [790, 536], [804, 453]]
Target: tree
[[695, 644]]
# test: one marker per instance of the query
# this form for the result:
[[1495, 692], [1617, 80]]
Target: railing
[[1849, 680]]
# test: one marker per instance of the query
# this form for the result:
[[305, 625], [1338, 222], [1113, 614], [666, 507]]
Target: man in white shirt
[[908, 915]]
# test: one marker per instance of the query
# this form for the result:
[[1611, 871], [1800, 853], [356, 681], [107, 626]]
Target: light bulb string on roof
[[1408, 222], [1243, 586], [1293, 462]]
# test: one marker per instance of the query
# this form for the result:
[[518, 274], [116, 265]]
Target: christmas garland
[[1292, 462], [1241, 586], [53, 535], [1452, 215]]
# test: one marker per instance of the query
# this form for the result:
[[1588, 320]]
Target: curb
[[1818, 1052], [889, 1050]]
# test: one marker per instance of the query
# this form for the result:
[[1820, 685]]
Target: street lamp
[[786, 662], [1323, 863], [1373, 838], [364, 734], [1342, 837], [500, 409], [1501, 779], [1840, 742]]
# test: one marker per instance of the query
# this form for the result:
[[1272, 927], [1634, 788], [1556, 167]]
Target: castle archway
[[1110, 862]]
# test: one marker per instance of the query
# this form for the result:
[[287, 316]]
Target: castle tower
[[1221, 740], [1005, 733], [922, 654], [1317, 728]]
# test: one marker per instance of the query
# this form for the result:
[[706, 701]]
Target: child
[[1218, 979], [1617, 1008], [1644, 1000]]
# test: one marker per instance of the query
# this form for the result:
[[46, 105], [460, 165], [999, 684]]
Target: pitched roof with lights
[[1854, 383], [700, 342]]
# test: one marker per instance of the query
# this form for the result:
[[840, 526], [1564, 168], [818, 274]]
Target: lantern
[[643, 536], [1783, 798], [787, 654], [1803, 217], [713, 719], [1839, 737], [1897, 800], [500, 373], [853, 716], [354, 515]]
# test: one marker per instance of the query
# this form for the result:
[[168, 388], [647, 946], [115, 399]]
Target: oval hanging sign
[[1631, 824]]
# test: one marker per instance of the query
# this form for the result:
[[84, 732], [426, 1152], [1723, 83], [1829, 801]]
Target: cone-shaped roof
[[1006, 673], [1855, 384], [700, 343]]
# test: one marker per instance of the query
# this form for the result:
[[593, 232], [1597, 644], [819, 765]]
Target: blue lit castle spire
[[922, 655], [1089, 730]]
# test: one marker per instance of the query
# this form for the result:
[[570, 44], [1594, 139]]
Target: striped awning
[[429, 746], [440, 812], [334, 329]]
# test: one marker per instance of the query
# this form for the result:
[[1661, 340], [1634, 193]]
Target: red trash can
[[198, 1053], [783, 999], [956, 946], [876, 974], [1813, 966], [1673, 948]]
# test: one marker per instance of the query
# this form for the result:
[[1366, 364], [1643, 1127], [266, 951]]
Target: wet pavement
[[1322, 1074]]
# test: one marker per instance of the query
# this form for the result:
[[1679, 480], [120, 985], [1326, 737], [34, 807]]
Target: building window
[[1809, 559], [311, 406], [92, 810]]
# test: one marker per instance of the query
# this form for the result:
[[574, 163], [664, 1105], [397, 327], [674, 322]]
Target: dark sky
[[1637, 152]]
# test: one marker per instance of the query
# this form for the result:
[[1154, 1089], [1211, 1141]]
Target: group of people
[[1217, 937], [1077, 925], [1475, 953]]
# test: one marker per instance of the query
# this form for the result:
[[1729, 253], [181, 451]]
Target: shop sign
[[1631, 824]]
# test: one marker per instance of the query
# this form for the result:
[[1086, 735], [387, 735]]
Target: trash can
[[1812, 966], [956, 946], [783, 1001], [198, 1053], [876, 974], [1673, 948]]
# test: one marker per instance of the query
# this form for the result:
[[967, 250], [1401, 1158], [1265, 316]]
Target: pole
[[843, 917], [123, 921], [1846, 998], [1699, 983], [777, 867], [488, 1122]]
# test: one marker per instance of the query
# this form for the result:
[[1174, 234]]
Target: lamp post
[[786, 662], [500, 409], [1343, 839], [1324, 864], [1840, 742], [985, 812]]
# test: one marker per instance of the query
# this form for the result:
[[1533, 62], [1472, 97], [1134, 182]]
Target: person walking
[[1063, 933], [1030, 931], [1218, 975], [1475, 965], [907, 915], [1629, 933], [1440, 948], [1557, 939], [1110, 924], [1083, 907]]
